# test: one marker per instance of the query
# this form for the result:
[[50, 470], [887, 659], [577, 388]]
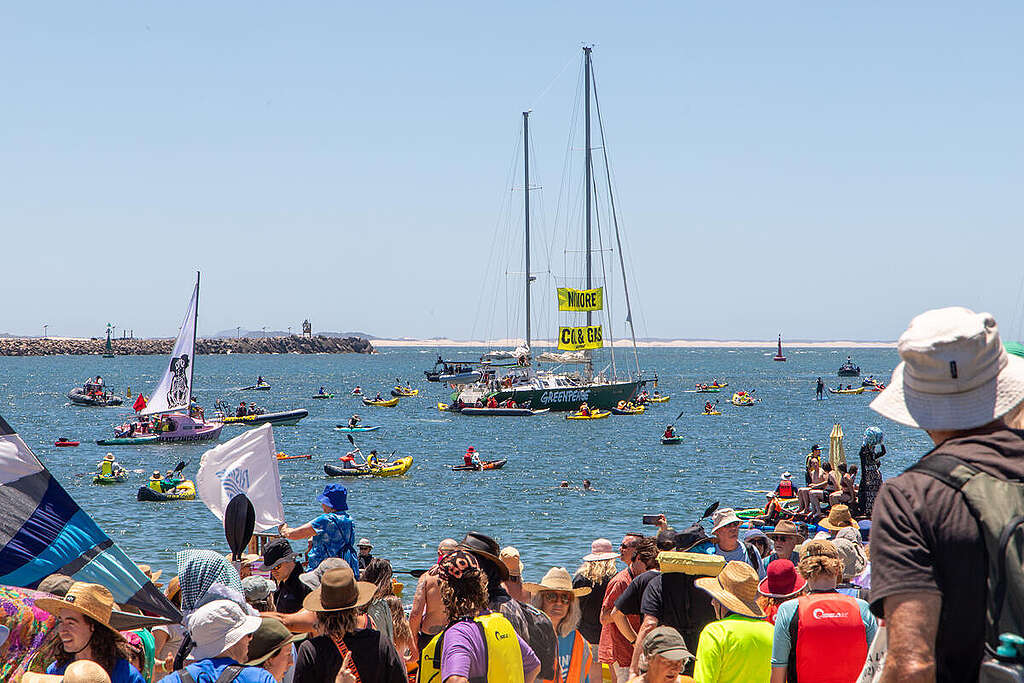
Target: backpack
[[998, 506]]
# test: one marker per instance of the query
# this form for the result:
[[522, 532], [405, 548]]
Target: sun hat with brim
[[218, 625], [785, 528], [312, 578], [485, 547], [81, 671], [782, 581], [335, 496], [600, 550], [839, 517], [852, 555], [91, 599], [339, 591], [735, 588], [513, 562], [954, 373], [270, 637], [665, 641], [153, 576], [257, 588], [723, 517], [557, 579]]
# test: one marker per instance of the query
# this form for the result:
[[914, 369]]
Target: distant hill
[[231, 334]]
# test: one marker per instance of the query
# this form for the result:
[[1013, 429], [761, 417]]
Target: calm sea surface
[[720, 457]]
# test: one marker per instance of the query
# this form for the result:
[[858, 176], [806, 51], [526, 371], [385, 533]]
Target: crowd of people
[[794, 600]]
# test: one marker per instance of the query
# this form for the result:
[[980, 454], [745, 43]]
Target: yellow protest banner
[[580, 299], [579, 338]]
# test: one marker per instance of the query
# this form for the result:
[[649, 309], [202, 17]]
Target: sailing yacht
[[516, 375]]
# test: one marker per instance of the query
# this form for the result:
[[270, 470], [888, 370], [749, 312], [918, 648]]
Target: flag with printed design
[[245, 464]]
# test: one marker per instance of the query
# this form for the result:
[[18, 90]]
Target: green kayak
[[116, 478], [322, 396], [128, 440]]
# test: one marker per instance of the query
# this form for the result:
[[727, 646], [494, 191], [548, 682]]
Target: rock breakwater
[[149, 347]]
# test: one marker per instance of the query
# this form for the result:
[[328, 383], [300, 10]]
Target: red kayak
[[485, 465], [282, 456], [60, 443]]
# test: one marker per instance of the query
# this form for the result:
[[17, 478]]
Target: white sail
[[174, 392]]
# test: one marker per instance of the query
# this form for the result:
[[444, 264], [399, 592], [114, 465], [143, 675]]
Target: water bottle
[[1008, 664]]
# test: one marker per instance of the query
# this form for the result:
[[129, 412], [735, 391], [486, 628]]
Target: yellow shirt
[[735, 649]]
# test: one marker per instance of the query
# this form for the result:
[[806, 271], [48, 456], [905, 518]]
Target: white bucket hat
[[955, 373], [723, 517], [218, 625]]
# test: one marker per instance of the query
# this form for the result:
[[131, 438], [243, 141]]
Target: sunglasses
[[564, 598]]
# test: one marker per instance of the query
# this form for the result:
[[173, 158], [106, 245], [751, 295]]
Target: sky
[[823, 170]]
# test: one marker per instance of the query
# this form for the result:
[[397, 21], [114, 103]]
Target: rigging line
[[564, 190], [545, 91], [615, 221], [604, 275]]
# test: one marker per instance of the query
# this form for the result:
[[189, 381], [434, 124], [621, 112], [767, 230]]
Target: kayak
[[401, 391], [186, 490], [128, 440], [444, 407], [708, 391], [383, 403], [755, 512], [116, 478], [657, 399], [847, 392], [744, 400], [713, 412], [716, 385], [257, 387], [501, 412], [596, 415], [64, 443], [485, 465], [636, 410], [671, 440], [322, 396], [356, 430], [282, 456], [283, 417], [396, 468]]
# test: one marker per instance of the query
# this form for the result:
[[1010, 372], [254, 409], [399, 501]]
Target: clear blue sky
[[822, 169]]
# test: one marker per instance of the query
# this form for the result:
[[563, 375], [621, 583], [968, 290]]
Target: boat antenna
[[192, 364], [615, 222], [526, 213]]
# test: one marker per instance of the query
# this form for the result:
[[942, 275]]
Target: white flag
[[245, 464]]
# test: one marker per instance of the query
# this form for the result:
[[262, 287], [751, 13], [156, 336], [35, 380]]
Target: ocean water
[[721, 457]]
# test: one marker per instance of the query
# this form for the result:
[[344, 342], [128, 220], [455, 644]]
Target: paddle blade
[[239, 522], [350, 439], [680, 415], [180, 466], [710, 511]]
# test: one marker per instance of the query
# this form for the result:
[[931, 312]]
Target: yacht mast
[[526, 201], [587, 162]]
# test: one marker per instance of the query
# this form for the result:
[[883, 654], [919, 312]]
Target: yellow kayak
[[595, 415], [385, 403], [744, 400], [443, 407], [403, 391], [658, 399], [395, 468], [713, 412], [848, 392]]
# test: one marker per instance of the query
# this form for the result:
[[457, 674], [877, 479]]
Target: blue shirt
[[123, 672], [782, 645], [207, 671], [739, 554], [335, 537]]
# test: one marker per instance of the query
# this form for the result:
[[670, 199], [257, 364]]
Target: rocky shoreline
[[150, 347]]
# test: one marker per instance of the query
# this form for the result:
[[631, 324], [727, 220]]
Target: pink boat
[[181, 427]]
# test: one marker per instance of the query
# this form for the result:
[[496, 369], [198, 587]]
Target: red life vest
[[827, 623], [786, 488]]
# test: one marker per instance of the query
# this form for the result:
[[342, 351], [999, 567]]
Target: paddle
[[415, 573], [710, 511], [239, 522], [179, 468]]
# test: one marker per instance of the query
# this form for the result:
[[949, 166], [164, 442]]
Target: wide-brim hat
[[218, 626], [954, 374], [339, 591], [724, 517], [483, 546], [786, 528], [91, 599], [556, 579], [839, 517], [153, 576], [270, 637], [335, 496], [601, 549], [852, 555], [108, 456], [782, 582], [735, 587], [312, 578]]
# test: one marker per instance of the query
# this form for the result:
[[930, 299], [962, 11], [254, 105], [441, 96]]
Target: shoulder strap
[[343, 651], [229, 673], [948, 469], [794, 628], [185, 676]]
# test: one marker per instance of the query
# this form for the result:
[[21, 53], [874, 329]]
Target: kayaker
[[357, 391], [467, 459], [584, 410], [785, 488], [323, 392], [476, 461], [108, 466], [353, 421], [670, 432], [155, 482], [348, 461], [259, 381], [372, 459], [709, 407], [240, 412], [492, 402], [587, 486], [378, 397]]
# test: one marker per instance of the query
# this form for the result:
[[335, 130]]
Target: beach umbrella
[[836, 453]]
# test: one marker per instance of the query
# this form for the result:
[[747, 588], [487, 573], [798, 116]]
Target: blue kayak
[[355, 430]]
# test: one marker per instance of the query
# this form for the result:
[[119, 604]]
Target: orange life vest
[[579, 663]]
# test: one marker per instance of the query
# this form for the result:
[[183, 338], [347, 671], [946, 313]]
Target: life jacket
[[827, 622], [786, 488], [107, 468], [579, 663], [156, 485], [504, 657]]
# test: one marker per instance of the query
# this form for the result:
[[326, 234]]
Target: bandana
[[200, 569], [458, 564]]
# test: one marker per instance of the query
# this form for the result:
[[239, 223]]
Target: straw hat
[[339, 591], [90, 599], [150, 574], [735, 587], [839, 517], [79, 671], [270, 637], [786, 528], [557, 579], [955, 373], [510, 556]]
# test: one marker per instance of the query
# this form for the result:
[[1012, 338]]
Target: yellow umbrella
[[836, 453]]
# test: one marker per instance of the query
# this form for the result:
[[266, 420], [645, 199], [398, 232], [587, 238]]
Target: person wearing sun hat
[[221, 632], [786, 536], [726, 530], [478, 643], [821, 621], [365, 549], [514, 583], [929, 559], [271, 648], [596, 570], [333, 533], [85, 632], [557, 598], [342, 636], [839, 517], [738, 646], [782, 583]]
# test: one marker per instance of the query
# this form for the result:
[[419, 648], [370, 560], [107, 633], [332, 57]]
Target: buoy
[[128, 394]]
